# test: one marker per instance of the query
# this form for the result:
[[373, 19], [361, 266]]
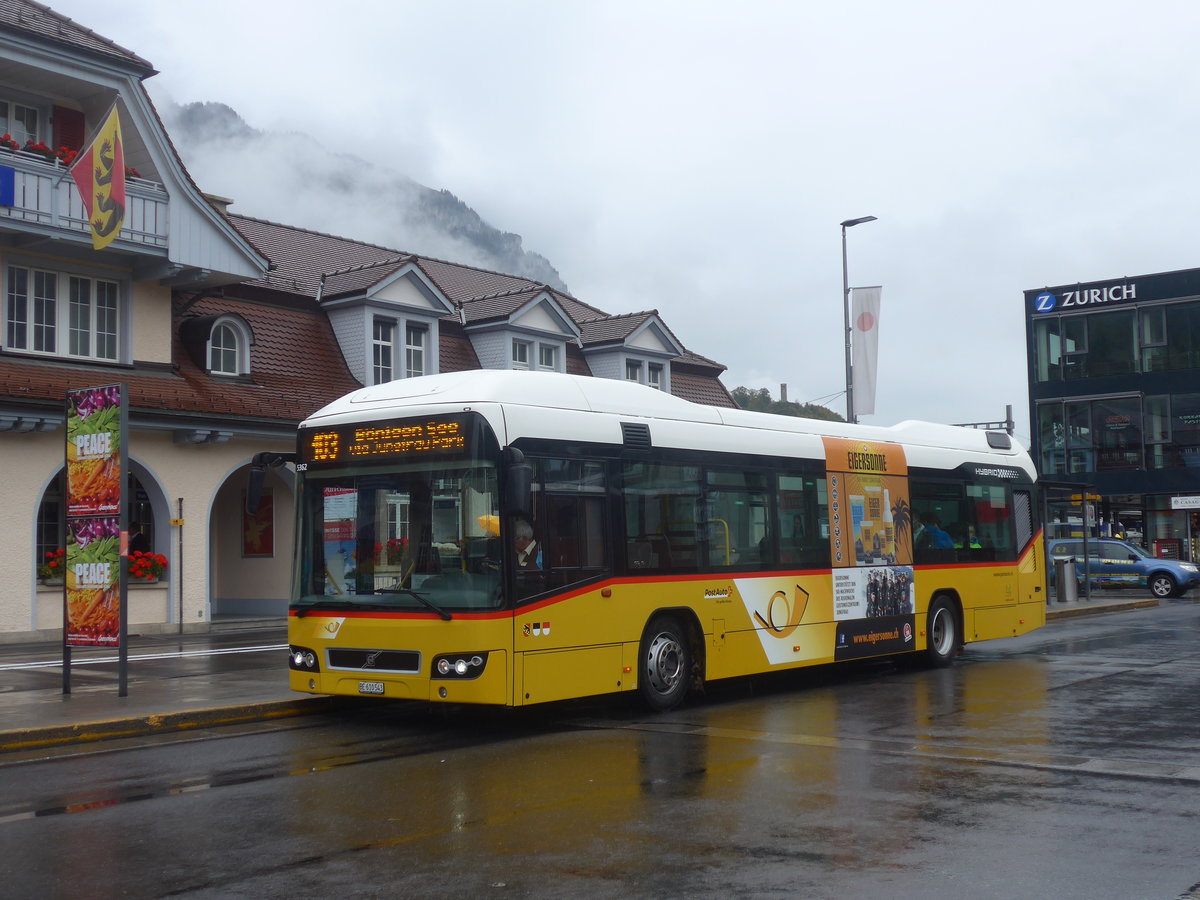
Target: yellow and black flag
[[99, 173]]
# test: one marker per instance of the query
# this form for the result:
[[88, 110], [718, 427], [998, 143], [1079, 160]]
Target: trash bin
[[1066, 586]]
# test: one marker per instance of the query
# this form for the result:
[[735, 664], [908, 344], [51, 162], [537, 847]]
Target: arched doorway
[[251, 555]]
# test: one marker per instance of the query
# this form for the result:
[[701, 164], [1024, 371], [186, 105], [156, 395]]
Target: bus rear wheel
[[942, 633], [665, 664]]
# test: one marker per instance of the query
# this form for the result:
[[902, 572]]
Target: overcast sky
[[696, 157]]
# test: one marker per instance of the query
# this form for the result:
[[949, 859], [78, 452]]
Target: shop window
[[1156, 428], [1051, 439], [1153, 339], [1080, 448], [1047, 349], [1118, 433], [1183, 336], [51, 526], [1185, 429]]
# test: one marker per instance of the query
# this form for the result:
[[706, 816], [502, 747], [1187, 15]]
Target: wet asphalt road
[[1062, 764]]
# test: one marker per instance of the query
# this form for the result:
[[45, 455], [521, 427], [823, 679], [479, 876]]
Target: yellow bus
[[511, 538]]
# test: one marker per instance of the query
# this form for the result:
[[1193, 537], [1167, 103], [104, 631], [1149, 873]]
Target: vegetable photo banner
[[97, 420]]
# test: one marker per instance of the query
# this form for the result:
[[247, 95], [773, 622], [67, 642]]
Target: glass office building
[[1114, 394]]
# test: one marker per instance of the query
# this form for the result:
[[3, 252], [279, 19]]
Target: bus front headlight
[[459, 665], [302, 659]]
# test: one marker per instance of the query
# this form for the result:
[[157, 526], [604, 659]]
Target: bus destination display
[[384, 441]]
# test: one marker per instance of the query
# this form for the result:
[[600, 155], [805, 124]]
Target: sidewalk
[[1102, 601], [174, 682], [179, 682]]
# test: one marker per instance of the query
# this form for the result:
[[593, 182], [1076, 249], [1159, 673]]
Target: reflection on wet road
[[1062, 764]]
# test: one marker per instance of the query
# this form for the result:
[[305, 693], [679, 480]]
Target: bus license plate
[[370, 687]]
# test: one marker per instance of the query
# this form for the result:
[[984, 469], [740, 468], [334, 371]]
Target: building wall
[[151, 322], [350, 327], [610, 364], [177, 477], [494, 349]]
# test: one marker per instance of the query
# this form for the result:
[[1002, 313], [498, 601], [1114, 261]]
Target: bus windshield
[[410, 536]]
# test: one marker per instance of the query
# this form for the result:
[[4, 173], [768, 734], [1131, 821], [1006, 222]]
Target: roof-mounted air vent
[[998, 440], [636, 435]]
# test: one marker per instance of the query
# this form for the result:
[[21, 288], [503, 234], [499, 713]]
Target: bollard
[[1065, 585]]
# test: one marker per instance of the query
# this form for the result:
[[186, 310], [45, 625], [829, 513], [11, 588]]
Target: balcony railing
[[46, 194]]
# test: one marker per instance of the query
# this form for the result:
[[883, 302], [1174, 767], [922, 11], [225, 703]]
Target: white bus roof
[[551, 405]]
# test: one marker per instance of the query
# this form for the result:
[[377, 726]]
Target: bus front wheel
[[942, 633], [666, 664]]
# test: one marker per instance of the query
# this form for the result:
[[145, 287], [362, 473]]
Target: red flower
[[146, 566], [52, 563]]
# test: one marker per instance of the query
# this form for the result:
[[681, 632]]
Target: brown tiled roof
[[296, 368], [577, 363], [44, 23], [690, 358], [455, 350], [300, 257], [613, 329], [501, 306], [700, 389], [467, 283]]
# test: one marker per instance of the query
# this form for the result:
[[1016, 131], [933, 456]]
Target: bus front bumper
[[488, 686]]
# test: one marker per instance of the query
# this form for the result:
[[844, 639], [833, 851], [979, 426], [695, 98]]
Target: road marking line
[[176, 654]]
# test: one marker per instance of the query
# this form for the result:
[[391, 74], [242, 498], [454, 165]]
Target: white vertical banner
[[864, 345]]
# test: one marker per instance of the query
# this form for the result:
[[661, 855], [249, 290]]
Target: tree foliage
[[760, 400]]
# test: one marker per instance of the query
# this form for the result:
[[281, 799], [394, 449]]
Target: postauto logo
[[1048, 301]]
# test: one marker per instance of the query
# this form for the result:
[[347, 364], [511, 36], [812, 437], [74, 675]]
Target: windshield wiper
[[420, 598]]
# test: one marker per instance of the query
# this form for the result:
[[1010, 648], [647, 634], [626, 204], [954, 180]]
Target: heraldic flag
[[99, 173]]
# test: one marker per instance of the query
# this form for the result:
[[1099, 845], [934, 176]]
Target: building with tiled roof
[[225, 330]]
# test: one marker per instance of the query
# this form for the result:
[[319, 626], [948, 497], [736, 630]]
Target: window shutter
[[68, 128]]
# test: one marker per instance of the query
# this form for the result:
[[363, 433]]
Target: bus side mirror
[[519, 485], [258, 474]]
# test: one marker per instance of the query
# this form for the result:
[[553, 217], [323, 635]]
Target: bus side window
[[661, 507], [992, 510], [736, 518], [802, 521], [940, 525], [569, 525]]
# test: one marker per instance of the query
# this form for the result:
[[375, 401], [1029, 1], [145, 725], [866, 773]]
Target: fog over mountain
[[293, 179]]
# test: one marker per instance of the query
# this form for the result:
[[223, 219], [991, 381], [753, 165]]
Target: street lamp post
[[849, 223]]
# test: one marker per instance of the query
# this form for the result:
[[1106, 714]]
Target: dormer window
[[218, 344], [228, 350], [223, 351], [383, 351], [520, 354], [415, 339], [633, 370], [547, 357], [654, 376]]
